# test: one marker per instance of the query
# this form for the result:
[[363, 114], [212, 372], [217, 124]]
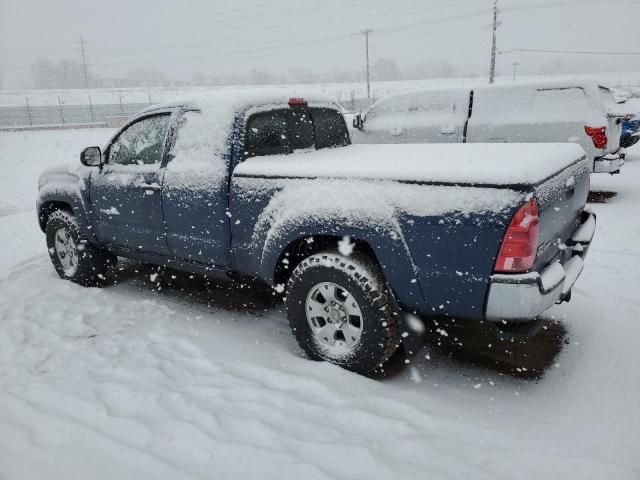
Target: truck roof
[[231, 101], [527, 87], [219, 109]]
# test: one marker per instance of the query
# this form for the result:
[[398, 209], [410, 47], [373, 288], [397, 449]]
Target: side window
[[267, 134], [198, 149], [330, 128], [302, 135], [142, 143], [557, 102]]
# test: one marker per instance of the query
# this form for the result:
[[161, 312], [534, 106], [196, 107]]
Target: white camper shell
[[576, 112]]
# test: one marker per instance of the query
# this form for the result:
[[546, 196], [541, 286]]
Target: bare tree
[[147, 77], [385, 69], [64, 74]]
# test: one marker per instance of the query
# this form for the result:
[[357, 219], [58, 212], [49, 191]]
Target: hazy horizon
[[278, 37]]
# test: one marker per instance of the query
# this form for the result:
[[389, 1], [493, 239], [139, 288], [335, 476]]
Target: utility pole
[[366, 33], [492, 70], [515, 69], [85, 68]]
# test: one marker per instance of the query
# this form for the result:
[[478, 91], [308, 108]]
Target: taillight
[[297, 101], [598, 135], [518, 249]]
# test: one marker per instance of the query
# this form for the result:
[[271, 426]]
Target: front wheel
[[340, 310], [72, 256]]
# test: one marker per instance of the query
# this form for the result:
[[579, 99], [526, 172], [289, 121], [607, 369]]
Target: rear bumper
[[610, 163], [521, 297]]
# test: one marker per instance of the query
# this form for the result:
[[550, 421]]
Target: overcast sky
[[224, 37]]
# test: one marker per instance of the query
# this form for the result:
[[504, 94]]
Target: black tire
[[362, 279], [91, 262]]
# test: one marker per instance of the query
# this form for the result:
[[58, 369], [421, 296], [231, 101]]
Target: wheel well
[[47, 209], [304, 247]]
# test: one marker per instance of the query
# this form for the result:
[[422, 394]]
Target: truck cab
[[161, 186]]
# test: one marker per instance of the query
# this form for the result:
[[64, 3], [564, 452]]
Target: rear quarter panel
[[455, 256], [435, 249]]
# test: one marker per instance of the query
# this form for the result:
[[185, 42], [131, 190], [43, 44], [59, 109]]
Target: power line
[[310, 21], [305, 20], [275, 47], [262, 51], [433, 21], [302, 29], [271, 48], [557, 4], [569, 52], [292, 30]]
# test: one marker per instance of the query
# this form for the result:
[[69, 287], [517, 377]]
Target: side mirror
[[91, 157], [358, 122]]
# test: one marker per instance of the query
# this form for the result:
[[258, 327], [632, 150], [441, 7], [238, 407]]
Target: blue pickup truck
[[630, 131], [265, 186]]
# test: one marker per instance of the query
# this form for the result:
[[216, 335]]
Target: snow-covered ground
[[163, 377], [23, 155]]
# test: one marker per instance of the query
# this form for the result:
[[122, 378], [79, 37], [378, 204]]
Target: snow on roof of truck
[[546, 101], [417, 100], [231, 101], [219, 109], [597, 91], [591, 88]]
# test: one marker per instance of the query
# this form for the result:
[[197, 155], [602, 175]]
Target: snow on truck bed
[[488, 164]]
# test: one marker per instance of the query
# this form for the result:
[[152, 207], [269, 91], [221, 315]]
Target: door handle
[[150, 186], [570, 185]]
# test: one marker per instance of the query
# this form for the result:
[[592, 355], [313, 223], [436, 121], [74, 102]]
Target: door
[[126, 192], [194, 194]]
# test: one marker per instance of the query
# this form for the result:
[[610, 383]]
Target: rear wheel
[[340, 310], [73, 257]]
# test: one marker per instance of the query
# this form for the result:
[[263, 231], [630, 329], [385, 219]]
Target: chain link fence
[[100, 114], [65, 115], [82, 115]]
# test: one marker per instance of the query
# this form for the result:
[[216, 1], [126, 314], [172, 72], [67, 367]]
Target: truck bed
[[513, 165]]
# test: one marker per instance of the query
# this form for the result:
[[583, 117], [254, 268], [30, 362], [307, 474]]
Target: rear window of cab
[[282, 131]]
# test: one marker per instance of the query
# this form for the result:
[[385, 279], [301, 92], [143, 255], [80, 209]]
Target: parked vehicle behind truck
[[579, 112], [257, 185], [630, 131]]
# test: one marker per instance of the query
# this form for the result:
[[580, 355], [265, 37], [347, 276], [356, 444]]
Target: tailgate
[[561, 200], [615, 116], [614, 131]]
